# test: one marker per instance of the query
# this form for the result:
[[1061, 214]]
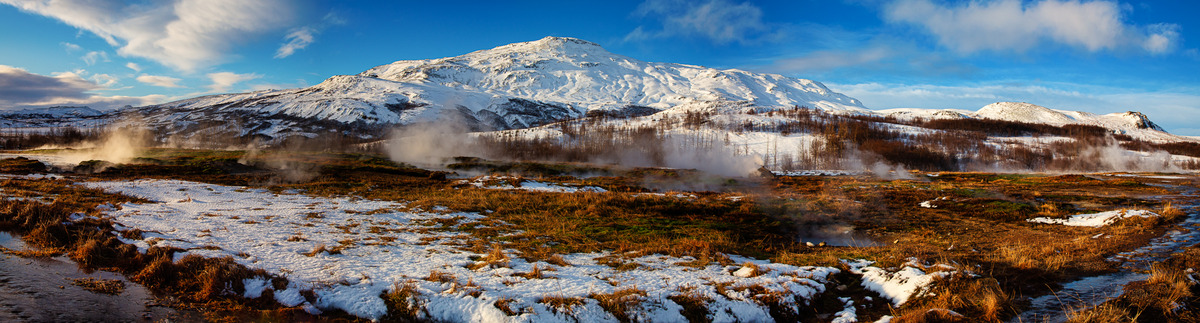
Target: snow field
[[349, 251]]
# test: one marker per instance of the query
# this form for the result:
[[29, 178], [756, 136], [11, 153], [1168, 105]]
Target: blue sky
[[1096, 56]]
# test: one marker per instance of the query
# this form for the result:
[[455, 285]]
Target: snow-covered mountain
[[1130, 122], [512, 86], [57, 116]]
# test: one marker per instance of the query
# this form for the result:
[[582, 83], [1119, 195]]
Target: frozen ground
[[365, 247]]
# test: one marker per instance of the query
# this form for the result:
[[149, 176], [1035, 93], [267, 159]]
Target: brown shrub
[[158, 274]]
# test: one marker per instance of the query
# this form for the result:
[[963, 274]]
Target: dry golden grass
[[102, 286], [322, 248], [621, 302], [441, 277], [754, 269], [403, 302], [32, 253], [535, 273], [505, 305], [1173, 287], [981, 299], [494, 258], [562, 304], [694, 303], [932, 315], [1105, 313], [1170, 213], [1040, 257]]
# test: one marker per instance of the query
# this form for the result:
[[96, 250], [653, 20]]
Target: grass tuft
[[561, 303], [403, 302], [621, 302]]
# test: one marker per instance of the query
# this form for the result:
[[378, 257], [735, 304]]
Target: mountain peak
[[551, 44], [1140, 121], [564, 41]]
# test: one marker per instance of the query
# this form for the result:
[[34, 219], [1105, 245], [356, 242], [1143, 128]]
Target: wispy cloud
[[71, 47], [133, 66], [160, 81], [104, 80], [183, 34], [224, 81], [296, 40], [1016, 26], [300, 37], [22, 89], [91, 58], [720, 21]]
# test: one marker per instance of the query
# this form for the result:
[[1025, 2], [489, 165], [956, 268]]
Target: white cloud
[[160, 81], [224, 81], [183, 34], [1174, 109], [1011, 25], [133, 66], [71, 47], [96, 56], [21, 89], [1162, 39], [296, 40], [105, 80], [721, 21]]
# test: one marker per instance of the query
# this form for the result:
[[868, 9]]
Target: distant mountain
[[508, 87], [58, 116], [1130, 122]]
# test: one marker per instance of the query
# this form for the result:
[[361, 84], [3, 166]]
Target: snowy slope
[[526, 85], [581, 73], [513, 86]]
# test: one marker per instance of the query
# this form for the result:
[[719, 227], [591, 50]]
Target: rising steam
[[431, 144], [119, 145]]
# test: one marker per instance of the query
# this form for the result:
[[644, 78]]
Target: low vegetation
[[975, 221]]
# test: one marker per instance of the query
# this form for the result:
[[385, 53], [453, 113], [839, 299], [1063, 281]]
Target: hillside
[[509, 87]]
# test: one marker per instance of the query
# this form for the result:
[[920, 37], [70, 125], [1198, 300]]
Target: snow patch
[[900, 285], [1095, 219]]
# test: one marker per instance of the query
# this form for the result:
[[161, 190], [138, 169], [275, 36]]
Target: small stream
[[40, 290], [1091, 291]]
